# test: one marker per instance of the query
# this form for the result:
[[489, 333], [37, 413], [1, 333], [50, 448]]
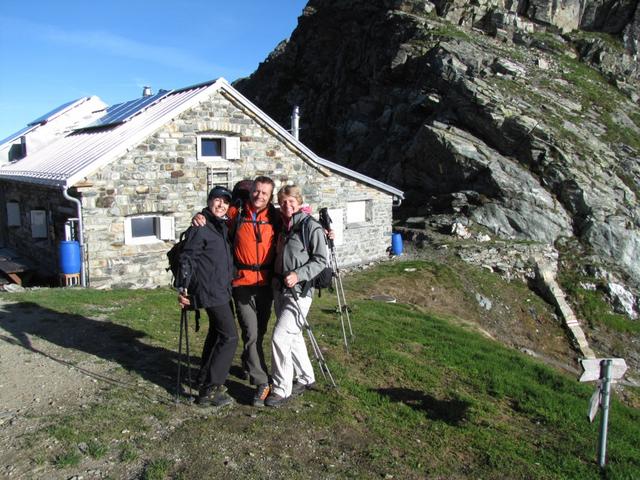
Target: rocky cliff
[[523, 115]]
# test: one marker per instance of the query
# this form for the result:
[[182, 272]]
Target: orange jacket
[[254, 244]]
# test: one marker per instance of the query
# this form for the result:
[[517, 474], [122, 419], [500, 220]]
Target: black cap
[[219, 192]]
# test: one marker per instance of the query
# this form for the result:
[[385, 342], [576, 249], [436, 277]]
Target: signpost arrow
[[606, 371], [592, 367], [594, 404]]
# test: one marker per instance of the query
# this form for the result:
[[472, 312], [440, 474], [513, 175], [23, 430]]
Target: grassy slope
[[419, 397]]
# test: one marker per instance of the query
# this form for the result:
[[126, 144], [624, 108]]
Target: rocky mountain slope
[[521, 115]]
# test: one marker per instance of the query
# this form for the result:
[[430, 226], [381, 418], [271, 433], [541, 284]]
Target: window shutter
[[167, 230], [13, 214], [337, 225], [38, 224], [232, 147]]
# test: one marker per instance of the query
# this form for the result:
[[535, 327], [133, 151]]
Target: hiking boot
[[299, 388], [214, 396], [275, 400], [262, 392]]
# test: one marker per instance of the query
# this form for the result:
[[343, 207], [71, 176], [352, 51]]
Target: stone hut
[[127, 181]]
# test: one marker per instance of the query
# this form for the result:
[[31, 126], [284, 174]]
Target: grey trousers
[[253, 307]]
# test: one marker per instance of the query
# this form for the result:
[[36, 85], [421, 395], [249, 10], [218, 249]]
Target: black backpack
[[173, 256], [325, 278]]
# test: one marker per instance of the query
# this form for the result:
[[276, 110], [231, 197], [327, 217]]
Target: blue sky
[[55, 51]]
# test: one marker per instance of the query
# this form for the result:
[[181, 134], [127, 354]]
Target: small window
[[218, 148], [38, 224], [211, 147], [13, 214], [148, 229], [358, 212]]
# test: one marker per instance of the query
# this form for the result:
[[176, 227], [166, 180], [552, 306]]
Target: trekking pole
[[342, 304], [335, 283], [322, 363], [343, 308], [183, 327]]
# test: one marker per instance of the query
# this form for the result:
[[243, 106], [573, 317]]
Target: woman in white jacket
[[298, 260]]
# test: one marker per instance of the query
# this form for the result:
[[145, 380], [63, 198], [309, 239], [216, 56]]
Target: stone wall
[[44, 251], [163, 175]]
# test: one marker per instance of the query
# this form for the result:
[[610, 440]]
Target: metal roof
[[73, 157], [47, 117], [14, 136], [56, 112]]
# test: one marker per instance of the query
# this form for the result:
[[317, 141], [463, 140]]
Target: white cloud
[[118, 46]]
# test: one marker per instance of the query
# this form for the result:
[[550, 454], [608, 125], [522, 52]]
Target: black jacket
[[207, 255]]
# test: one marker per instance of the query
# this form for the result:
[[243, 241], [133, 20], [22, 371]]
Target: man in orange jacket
[[253, 230]]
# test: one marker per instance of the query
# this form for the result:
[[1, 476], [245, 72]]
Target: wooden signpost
[[606, 371]]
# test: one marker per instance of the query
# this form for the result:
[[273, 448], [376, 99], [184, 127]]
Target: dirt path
[[43, 376]]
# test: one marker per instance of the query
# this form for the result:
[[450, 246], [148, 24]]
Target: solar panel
[[122, 112], [47, 116]]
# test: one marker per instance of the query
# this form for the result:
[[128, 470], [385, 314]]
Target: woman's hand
[[291, 279], [183, 300]]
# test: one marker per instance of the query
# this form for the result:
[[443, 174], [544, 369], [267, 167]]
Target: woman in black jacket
[[207, 257]]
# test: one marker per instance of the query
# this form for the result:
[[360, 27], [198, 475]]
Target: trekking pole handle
[[292, 289]]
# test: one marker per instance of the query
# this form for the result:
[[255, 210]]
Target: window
[[218, 148], [211, 147], [38, 224], [148, 229], [13, 214], [358, 212]]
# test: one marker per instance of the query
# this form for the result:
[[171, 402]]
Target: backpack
[[173, 256], [325, 278]]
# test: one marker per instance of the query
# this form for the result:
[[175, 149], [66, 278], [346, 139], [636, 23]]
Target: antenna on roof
[[146, 91]]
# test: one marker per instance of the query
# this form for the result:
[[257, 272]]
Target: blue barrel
[[69, 257], [396, 244]]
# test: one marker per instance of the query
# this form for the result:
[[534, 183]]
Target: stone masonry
[[162, 175]]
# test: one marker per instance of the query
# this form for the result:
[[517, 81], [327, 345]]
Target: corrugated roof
[[76, 156], [57, 111]]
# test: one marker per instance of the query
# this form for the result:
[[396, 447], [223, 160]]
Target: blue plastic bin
[[396, 244], [69, 257]]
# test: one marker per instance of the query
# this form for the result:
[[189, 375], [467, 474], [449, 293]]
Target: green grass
[[418, 397], [156, 470], [69, 458]]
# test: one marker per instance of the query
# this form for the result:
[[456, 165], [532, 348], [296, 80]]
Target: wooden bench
[[13, 266]]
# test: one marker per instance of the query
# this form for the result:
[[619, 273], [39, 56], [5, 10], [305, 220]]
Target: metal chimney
[[295, 122], [146, 91]]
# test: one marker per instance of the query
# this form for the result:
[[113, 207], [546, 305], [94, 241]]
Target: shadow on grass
[[103, 339], [452, 412]]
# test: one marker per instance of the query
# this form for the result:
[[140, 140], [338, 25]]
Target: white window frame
[[358, 213], [230, 147], [13, 214], [164, 227], [39, 228]]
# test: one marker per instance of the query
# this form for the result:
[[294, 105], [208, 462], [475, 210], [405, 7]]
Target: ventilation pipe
[[295, 122], [83, 273], [146, 91]]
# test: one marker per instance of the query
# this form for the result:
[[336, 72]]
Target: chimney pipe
[[146, 91], [295, 122]]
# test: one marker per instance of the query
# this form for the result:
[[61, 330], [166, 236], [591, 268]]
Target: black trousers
[[219, 346]]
